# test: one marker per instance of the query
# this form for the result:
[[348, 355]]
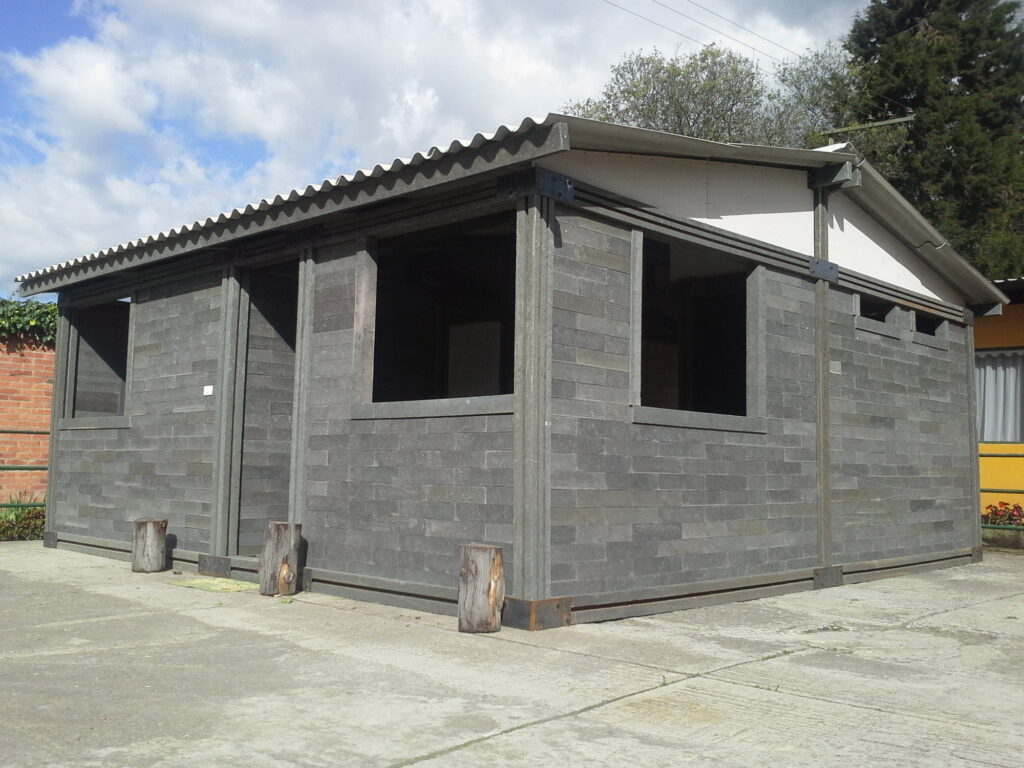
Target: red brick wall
[[26, 386]]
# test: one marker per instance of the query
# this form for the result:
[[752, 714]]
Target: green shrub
[[28, 323], [22, 523]]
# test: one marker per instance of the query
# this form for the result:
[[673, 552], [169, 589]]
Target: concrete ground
[[102, 667]]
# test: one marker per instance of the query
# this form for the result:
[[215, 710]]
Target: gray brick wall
[[900, 442], [393, 498], [637, 506], [633, 506], [162, 466]]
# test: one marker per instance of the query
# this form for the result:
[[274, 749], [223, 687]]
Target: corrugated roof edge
[[876, 195], [396, 165]]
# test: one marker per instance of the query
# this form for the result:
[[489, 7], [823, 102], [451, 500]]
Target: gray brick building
[[658, 371]]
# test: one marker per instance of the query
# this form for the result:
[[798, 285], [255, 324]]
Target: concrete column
[[531, 578], [220, 518], [57, 410], [821, 325], [303, 369]]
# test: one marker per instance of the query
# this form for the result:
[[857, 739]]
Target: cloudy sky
[[122, 118]]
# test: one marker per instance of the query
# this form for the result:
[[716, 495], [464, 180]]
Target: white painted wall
[[773, 205], [857, 241]]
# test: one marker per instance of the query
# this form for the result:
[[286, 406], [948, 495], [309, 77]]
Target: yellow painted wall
[[995, 498], [1006, 330], [1002, 471]]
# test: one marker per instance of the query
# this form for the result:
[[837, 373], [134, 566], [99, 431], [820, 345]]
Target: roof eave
[[508, 150], [879, 198], [876, 195], [599, 136], [555, 133]]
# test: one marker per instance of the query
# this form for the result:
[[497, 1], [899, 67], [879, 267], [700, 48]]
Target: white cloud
[[120, 125]]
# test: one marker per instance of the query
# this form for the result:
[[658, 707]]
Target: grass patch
[[209, 584]]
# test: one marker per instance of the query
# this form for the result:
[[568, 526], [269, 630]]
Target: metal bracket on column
[[838, 176], [828, 577], [824, 270], [555, 185], [215, 565], [533, 615]]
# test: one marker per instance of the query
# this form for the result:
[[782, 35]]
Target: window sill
[[488, 405], [95, 422], [875, 326], [718, 422], [931, 341]]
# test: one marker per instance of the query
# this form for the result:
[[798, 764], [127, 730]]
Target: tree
[[719, 95], [818, 92], [713, 94], [958, 65]]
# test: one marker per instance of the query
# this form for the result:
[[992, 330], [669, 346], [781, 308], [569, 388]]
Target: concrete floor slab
[[109, 668]]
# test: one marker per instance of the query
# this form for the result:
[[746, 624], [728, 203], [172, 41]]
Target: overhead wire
[[736, 24], [718, 31], [899, 104], [655, 23]]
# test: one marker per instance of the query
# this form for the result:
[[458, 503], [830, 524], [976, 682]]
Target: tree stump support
[[481, 588], [149, 546], [279, 562]]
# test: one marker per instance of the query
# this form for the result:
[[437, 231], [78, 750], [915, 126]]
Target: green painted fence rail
[[23, 468], [1003, 527]]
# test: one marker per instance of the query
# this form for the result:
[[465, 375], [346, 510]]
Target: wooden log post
[[279, 562], [481, 588], [149, 546]]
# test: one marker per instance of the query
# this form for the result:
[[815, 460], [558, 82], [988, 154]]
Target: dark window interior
[[446, 311], [274, 296], [927, 324], [264, 466], [876, 309], [102, 359], [693, 354]]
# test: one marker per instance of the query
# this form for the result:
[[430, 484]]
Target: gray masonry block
[[387, 497]]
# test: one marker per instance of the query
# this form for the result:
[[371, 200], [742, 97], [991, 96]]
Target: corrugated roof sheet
[[396, 165], [876, 195]]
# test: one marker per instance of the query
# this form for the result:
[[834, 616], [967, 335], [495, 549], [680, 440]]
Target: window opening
[[101, 365], [876, 309], [927, 324], [1000, 387], [446, 311], [693, 353]]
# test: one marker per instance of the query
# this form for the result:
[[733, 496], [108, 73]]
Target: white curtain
[[1000, 379]]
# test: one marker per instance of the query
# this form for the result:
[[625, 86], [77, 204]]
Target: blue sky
[[124, 118], [33, 24]]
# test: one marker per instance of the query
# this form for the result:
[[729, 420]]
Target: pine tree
[[958, 66]]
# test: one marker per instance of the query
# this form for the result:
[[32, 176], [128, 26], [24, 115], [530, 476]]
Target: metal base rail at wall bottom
[[538, 614]]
